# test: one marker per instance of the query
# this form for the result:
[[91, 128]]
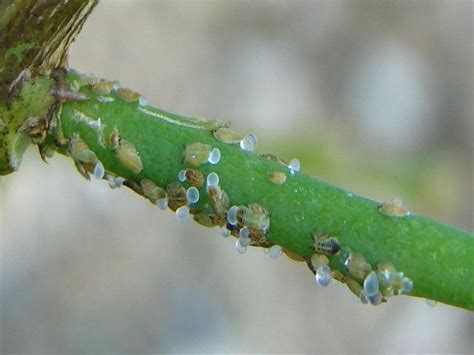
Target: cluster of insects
[[249, 224], [372, 286]]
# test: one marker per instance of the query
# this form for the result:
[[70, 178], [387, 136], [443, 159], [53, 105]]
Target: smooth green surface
[[438, 258]]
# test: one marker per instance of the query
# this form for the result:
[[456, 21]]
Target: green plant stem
[[34, 38], [438, 258]]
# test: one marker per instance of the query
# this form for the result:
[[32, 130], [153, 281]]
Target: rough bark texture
[[34, 39]]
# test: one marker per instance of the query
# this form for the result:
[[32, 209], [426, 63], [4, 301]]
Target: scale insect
[[277, 177], [326, 245], [177, 195], [80, 151], [126, 152], [152, 191], [393, 208], [103, 87], [196, 153], [226, 135], [357, 266], [219, 200], [128, 156], [195, 177], [254, 216], [128, 95]]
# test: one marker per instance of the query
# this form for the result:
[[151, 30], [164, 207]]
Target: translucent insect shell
[[323, 276], [249, 142], [196, 153]]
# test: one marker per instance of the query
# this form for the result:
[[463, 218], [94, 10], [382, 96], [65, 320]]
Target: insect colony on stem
[[249, 224]]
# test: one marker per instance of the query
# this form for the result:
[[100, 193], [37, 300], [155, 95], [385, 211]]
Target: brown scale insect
[[220, 202], [128, 156], [128, 95], [254, 216], [176, 195], [195, 178], [103, 87], [326, 245], [126, 152], [258, 238], [80, 151], [357, 266], [277, 177], [151, 191], [226, 135]]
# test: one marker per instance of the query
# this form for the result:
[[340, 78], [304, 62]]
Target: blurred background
[[374, 96]]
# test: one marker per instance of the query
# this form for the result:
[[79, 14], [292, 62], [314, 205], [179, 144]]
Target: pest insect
[[326, 245], [254, 216], [128, 156], [80, 151], [393, 208], [318, 260], [177, 195], [195, 177], [196, 153], [104, 87], [126, 152], [357, 266], [219, 201], [128, 95], [151, 191], [115, 138], [277, 177], [226, 135]]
